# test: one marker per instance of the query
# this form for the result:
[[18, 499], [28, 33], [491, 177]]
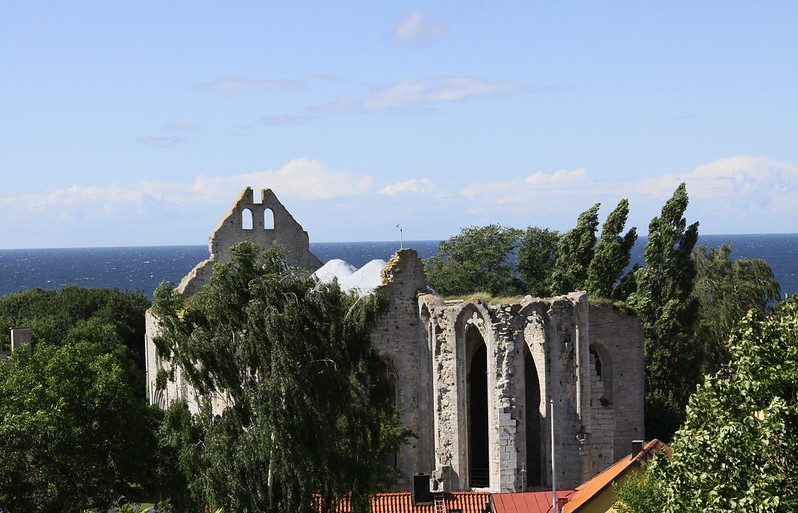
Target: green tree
[[665, 303], [737, 448], [574, 253], [726, 289], [307, 411], [640, 493], [612, 253], [73, 432], [536, 257], [478, 259], [50, 314]]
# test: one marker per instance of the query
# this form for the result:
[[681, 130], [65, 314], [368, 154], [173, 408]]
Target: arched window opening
[[596, 362], [268, 219], [477, 394], [390, 378], [246, 219], [533, 420], [601, 374]]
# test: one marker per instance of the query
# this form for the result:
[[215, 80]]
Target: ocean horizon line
[[386, 241]]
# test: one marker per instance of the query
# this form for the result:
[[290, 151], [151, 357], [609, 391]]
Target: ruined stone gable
[[473, 380]]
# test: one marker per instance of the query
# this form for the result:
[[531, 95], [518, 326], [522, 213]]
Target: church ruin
[[473, 380]]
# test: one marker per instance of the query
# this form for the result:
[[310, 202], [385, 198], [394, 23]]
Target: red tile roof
[[402, 502], [601, 482], [526, 502]]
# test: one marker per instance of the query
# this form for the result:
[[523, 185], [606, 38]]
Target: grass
[[486, 298]]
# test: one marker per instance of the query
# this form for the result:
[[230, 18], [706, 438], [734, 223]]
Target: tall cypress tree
[[612, 252], [574, 253], [665, 303]]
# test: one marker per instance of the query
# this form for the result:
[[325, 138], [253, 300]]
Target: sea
[[142, 268]]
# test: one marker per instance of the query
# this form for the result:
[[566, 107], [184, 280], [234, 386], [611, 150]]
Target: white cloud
[[231, 85], [519, 190], [740, 194], [431, 90], [416, 28], [405, 95], [558, 177], [739, 177], [412, 185], [299, 179]]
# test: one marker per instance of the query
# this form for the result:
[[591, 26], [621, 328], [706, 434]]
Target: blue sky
[[137, 123]]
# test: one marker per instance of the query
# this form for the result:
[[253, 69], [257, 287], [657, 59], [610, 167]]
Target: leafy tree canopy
[[476, 260], [51, 314], [73, 432], [308, 413], [737, 448], [536, 257], [666, 306], [726, 289]]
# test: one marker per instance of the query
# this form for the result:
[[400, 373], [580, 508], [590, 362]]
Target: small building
[[598, 494]]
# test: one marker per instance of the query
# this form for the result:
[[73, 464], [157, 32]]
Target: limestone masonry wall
[[473, 380]]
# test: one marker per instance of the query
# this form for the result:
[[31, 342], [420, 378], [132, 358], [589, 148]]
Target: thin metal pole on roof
[[553, 474], [401, 238]]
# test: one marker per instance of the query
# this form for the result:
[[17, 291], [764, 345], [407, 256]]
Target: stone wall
[[585, 361], [617, 338], [556, 335], [400, 342], [230, 231]]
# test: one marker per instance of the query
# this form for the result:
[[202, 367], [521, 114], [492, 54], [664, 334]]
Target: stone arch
[[601, 371], [428, 420], [478, 411], [268, 219], [535, 440], [247, 221], [391, 377], [532, 420], [474, 345]]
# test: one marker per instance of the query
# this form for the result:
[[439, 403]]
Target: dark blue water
[[143, 268]]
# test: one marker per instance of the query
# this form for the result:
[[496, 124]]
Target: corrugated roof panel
[[526, 502]]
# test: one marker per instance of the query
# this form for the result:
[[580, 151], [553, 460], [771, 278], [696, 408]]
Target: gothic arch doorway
[[477, 393], [532, 425]]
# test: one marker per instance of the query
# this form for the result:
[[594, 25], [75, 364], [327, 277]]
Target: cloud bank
[[739, 194]]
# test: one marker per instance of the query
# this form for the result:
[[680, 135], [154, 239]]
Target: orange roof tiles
[[526, 502], [601, 482], [402, 502]]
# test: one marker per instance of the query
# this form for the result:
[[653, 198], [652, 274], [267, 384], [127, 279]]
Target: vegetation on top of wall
[[486, 298]]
